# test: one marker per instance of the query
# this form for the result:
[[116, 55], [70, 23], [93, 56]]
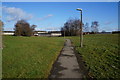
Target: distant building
[[49, 33], [37, 33], [105, 33], [40, 33], [84, 33], [45, 33], [115, 32], [55, 33], [8, 33]]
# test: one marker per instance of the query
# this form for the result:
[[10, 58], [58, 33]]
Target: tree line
[[22, 28], [72, 27]]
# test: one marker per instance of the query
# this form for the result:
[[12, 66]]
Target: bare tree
[[71, 27], [94, 27], [33, 28], [86, 28], [23, 28]]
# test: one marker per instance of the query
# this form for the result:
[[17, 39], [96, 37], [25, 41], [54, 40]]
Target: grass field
[[100, 53], [29, 57]]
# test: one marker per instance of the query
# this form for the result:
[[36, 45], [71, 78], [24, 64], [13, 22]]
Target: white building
[[41, 33], [56, 34], [8, 33], [37, 33], [50, 33]]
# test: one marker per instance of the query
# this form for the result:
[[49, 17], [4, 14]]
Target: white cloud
[[14, 14], [53, 28], [45, 17], [49, 28], [108, 22], [49, 15]]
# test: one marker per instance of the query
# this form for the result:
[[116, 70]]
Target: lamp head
[[79, 9]]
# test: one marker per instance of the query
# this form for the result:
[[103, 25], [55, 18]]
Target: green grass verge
[[100, 52], [29, 57]]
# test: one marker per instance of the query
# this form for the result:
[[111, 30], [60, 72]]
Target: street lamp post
[[81, 32], [64, 33]]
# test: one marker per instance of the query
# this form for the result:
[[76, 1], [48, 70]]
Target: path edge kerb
[[81, 62]]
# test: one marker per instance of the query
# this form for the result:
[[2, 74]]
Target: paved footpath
[[66, 65]]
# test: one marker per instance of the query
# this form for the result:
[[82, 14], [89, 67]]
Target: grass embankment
[[29, 57], [100, 52]]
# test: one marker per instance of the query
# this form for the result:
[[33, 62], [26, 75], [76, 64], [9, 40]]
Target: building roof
[[8, 31], [40, 31], [54, 32]]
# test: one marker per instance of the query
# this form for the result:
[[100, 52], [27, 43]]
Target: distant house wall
[[37, 33], [56, 34], [8, 33], [50, 33], [40, 33], [44, 34], [84, 33]]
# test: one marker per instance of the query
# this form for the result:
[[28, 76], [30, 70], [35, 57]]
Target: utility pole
[[81, 32]]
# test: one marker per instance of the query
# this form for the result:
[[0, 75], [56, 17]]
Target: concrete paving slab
[[66, 65]]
